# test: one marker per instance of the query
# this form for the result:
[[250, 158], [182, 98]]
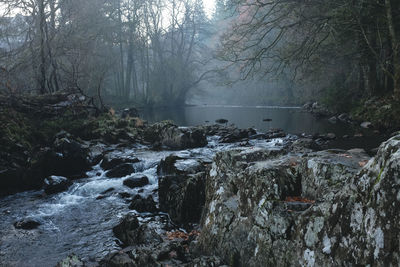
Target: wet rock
[[131, 232], [181, 188], [344, 117], [304, 145], [330, 136], [56, 184], [71, 261], [237, 135], [366, 125], [124, 194], [121, 170], [95, 153], [111, 161], [275, 133], [67, 157], [141, 204], [27, 224], [182, 197], [109, 190], [174, 165], [221, 121], [333, 119], [168, 135], [136, 181]]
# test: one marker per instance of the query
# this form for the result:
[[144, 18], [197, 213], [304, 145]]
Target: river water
[[76, 221], [292, 120]]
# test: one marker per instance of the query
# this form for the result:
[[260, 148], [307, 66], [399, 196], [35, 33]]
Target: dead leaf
[[363, 163], [299, 199]]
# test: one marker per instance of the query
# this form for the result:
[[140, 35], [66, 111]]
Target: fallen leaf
[[363, 163], [299, 199]]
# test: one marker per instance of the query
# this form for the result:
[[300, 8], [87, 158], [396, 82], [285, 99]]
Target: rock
[[344, 117], [267, 120], [71, 261], [108, 190], [27, 224], [130, 232], [332, 119], [111, 161], [96, 153], [124, 195], [56, 184], [275, 133], [221, 121], [174, 165], [170, 136], [181, 188], [141, 204], [182, 197], [330, 136], [319, 209], [125, 230], [136, 181], [366, 125], [120, 170], [67, 157], [130, 112], [304, 145], [237, 135]]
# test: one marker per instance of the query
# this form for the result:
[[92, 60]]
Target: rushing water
[[75, 221], [292, 120]]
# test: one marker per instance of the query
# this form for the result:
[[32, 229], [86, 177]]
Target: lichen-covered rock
[[328, 208], [71, 261]]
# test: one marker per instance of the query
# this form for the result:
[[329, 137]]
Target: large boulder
[[56, 184], [27, 224], [112, 160], [66, 157], [131, 232], [121, 170], [141, 204], [181, 188], [168, 135], [136, 181], [328, 208]]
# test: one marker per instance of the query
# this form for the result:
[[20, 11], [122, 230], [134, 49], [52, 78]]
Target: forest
[[199, 133], [161, 53]]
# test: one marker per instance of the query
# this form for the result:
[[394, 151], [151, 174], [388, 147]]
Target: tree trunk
[[42, 64], [395, 50]]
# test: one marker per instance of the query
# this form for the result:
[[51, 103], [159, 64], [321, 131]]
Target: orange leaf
[[363, 163], [299, 199]]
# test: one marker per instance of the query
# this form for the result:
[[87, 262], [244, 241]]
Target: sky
[[209, 6]]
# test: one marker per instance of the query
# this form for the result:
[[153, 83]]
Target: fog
[[152, 53]]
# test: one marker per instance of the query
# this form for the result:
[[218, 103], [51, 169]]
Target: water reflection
[[292, 120]]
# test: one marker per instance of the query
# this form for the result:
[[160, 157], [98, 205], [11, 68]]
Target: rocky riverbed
[[202, 196]]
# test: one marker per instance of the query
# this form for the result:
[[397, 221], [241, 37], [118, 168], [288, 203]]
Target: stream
[[75, 221]]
